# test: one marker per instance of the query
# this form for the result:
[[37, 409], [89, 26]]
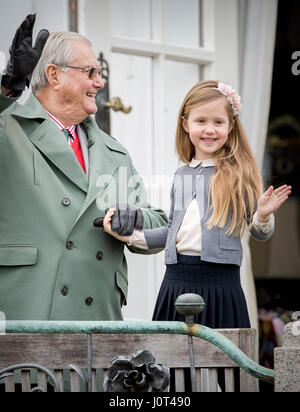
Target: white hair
[[57, 50]]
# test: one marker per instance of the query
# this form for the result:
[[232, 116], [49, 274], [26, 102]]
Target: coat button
[[89, 301], [66, 201], [99, 255], [69, 244], [64, 291]]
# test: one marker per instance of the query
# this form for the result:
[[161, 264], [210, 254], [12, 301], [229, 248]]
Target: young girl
[[213, 197]]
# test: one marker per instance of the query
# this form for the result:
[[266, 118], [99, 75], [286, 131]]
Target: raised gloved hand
[[23, 57], [125, 219]]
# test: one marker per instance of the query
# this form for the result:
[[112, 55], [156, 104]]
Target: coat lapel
[[101, 149], [47, 137], [102, 163]]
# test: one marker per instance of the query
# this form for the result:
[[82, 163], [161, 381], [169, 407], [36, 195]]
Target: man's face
[[77, 92]]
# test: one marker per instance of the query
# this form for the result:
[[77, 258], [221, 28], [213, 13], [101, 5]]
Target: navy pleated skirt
[[218, 284]]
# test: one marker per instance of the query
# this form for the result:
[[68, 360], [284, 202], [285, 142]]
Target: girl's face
[[208, 128]]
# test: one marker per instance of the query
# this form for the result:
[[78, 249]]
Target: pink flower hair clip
[[232, 96]]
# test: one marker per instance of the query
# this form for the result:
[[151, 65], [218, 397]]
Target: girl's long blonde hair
[[236, 184]]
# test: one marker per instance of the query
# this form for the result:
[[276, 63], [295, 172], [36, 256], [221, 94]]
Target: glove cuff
[[15, 83]]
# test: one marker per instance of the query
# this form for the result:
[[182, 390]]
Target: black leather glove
[[23, 57], [125, 219]]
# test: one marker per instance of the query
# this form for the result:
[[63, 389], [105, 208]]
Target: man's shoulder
[[112, 143], [7, 105]]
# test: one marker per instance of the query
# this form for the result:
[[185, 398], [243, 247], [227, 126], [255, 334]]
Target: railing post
[[190, 304], [89, 362], [287, 359]]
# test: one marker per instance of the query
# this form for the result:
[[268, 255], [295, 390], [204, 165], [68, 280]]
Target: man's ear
[[184, 124], [51, 72]]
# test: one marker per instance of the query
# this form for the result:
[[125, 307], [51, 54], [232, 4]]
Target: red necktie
[[78, 152], [76, 147]]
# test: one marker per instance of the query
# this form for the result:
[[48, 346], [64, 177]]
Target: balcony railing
[[84, 347]]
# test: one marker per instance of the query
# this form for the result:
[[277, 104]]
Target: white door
[[157, 50]]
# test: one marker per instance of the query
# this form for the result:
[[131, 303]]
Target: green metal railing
[[146, 327]]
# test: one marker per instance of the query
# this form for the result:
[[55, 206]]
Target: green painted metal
[[145, 327], [95, 327], [238, 356]]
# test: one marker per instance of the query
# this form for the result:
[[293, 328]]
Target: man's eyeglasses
[[92, 71]]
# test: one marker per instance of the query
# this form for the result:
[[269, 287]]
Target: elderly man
[[58, 173]]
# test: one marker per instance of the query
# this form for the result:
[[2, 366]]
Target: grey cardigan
[[217, 246]]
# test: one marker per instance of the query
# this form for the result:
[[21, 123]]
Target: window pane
[[181, 22], [131, 80], [180, 78], [130, 18]]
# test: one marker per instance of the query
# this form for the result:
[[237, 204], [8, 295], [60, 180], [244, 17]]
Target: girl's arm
[[150, 239], [156, 238]]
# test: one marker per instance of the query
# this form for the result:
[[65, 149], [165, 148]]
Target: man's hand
[[124, 220], [23, 57]]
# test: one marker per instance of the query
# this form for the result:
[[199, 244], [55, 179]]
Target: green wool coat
[[54, 264]]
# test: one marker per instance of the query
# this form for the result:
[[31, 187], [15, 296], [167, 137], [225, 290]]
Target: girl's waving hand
[[271, 200]]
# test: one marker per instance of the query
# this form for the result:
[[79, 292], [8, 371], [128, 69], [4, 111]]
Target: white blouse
[[188, 240]]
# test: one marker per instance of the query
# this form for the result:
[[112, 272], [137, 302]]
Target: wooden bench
[[58, 351]]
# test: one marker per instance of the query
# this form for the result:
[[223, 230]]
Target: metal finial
[[189, 304]]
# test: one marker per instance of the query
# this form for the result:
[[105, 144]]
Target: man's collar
[[61, 126]]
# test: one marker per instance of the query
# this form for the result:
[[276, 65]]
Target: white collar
[[204, 163], [61, 126]]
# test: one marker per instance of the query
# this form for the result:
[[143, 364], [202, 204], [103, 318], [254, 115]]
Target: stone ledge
[[291, 335], [287, 369]]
